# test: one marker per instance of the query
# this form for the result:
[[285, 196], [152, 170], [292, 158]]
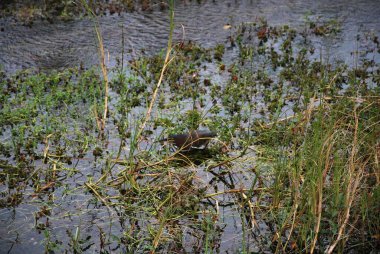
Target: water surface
[[64, 44]]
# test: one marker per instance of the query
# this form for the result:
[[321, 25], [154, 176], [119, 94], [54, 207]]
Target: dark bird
[[193, 140]]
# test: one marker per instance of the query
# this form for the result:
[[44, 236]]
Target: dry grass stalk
[[100, 123], [105, 75], [166, 64]]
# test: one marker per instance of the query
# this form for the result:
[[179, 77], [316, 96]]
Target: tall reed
[[100, 122]]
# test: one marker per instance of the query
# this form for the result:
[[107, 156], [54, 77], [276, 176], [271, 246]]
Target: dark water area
[[65, 44]]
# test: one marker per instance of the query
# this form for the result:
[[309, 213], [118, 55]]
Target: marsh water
[[64, 44], [45, 46]]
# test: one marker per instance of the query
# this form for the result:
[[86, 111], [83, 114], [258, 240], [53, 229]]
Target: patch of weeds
[[219, 52], [323, 28]]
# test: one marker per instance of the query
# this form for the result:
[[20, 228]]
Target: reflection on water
[[51, 46]]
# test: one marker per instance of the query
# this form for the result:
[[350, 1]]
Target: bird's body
[[194, 139]]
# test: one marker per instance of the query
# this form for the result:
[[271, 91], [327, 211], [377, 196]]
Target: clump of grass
[[322, 178]]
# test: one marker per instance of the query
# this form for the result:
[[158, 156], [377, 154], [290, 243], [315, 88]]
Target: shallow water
[[63, 44]]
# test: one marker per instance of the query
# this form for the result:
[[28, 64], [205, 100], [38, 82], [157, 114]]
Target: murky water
[[51, 46]]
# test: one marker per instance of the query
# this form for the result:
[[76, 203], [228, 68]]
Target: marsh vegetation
[[294, 167]]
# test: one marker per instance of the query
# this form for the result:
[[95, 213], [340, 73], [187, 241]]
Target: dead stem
[[90, 186], [102, 66]]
